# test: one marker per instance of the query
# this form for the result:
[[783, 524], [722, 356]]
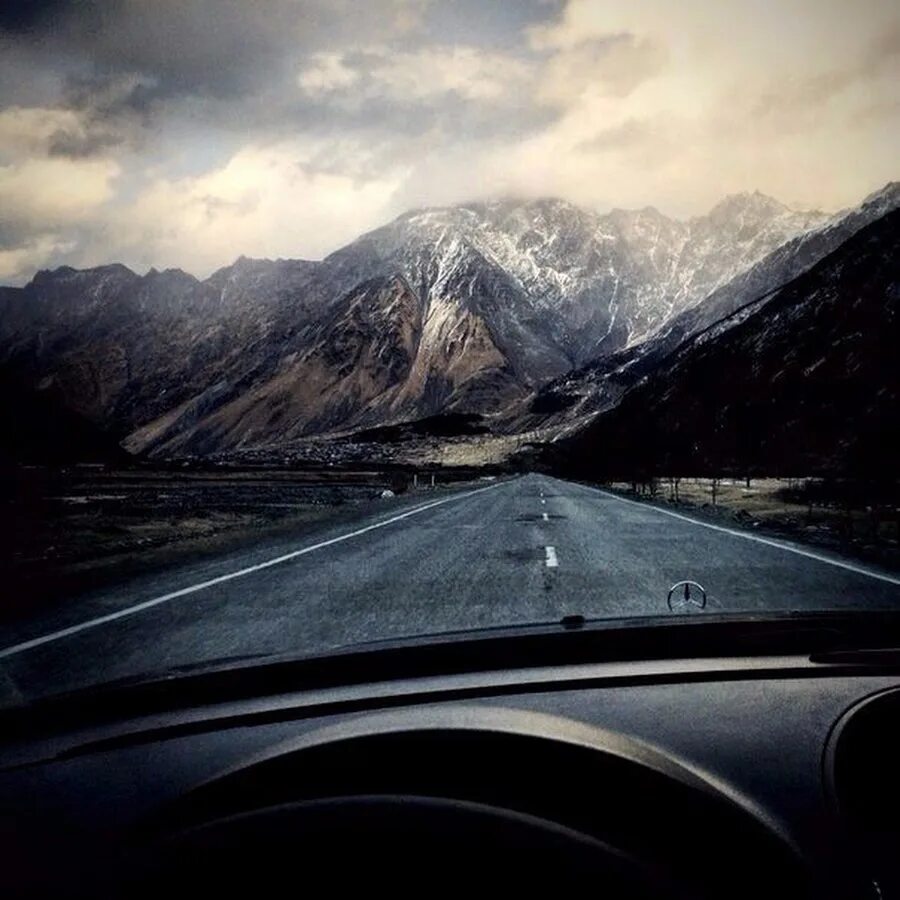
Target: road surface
[[526, 549]]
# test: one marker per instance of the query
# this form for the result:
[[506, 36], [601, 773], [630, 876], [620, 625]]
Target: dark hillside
[[806, 384]]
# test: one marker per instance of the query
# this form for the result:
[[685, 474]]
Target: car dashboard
[[742, 773]]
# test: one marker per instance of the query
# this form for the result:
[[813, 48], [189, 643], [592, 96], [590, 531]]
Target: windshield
[[324, 323]]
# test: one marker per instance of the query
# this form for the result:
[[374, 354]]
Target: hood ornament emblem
[[688, 597]]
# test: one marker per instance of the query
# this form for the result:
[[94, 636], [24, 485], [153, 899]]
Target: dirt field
[[66, 530], [769, 503]]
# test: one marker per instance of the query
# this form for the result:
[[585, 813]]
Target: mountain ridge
[[412, 212], [475, 307], [599, 385], [804, 383]]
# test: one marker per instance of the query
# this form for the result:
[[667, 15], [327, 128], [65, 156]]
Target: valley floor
[[66, 530], [501, 551], [797, 508]]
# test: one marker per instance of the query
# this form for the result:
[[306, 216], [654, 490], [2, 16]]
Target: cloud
[[44, 203], [31, 130], [645, 144], [798, 102], [611, 65], [210, 47], [261, 202], [50, 193], [26, 16], [184, 132], [19, 262], [457, 90], [327, 73]]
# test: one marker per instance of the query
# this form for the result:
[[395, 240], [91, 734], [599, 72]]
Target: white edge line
[[769, 542], [191, 589], [552, 561]]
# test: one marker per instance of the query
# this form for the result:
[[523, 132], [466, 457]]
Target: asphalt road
[[521, 550]]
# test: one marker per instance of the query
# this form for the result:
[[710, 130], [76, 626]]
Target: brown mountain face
[[123, 350], [461, 310], [258, 355], [365, 348], [376, 356], [34, 422]]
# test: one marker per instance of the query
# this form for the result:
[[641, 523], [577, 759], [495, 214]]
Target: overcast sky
[[187, 132]]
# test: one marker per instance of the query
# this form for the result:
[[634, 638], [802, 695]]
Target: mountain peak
[[45, 276], [888, 196], [747, 202], [447, 308], [645, 212], [502, 204]]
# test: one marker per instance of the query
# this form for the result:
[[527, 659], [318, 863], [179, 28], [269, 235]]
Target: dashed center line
[[552, 561], [546, 517]]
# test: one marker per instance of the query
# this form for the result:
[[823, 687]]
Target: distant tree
[[673, 488]]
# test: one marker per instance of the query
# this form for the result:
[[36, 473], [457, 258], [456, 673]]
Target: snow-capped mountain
[[584, 284], [806, 382], [468, 308], [597, 386]]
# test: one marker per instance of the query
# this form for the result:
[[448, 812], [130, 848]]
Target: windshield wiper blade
[[571, 641], [859, 656]]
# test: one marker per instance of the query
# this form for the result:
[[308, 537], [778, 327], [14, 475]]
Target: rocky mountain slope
[[582, 284], [454, 310], [40, 429], [566, 402], [805, 382]]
